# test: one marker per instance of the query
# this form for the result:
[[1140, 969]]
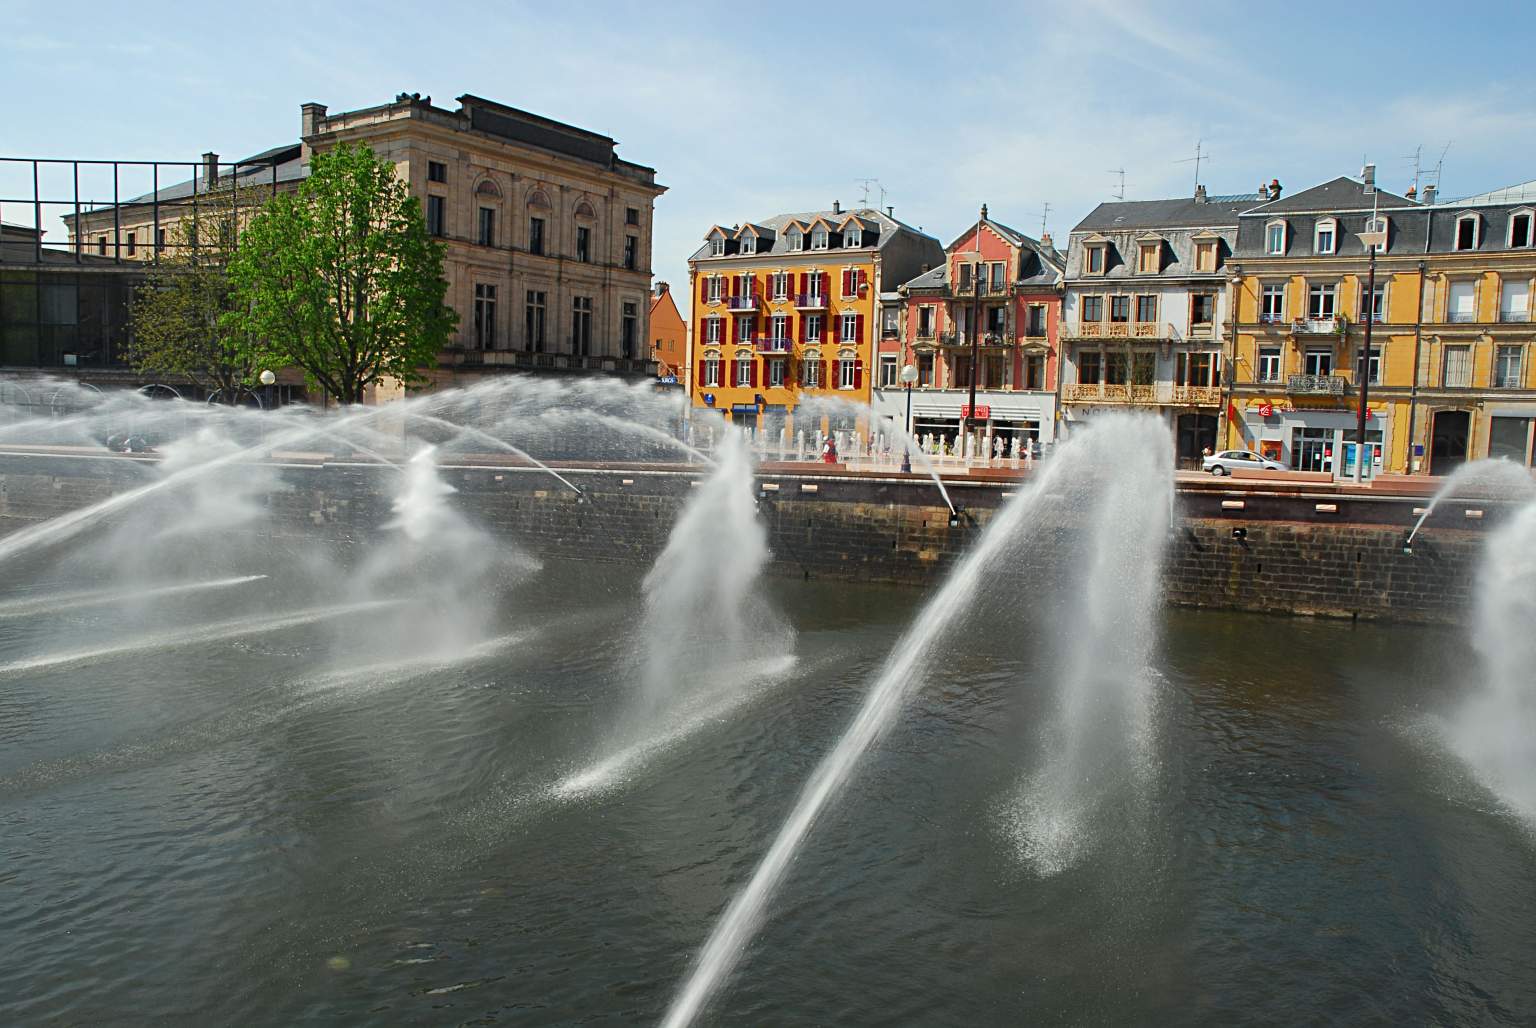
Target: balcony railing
[[1315, 385], [1315, 326], [1149, 393], [768, 344], [1272, 319], [1197, 396], [743, 303], [810, 301], [1514, 316], [1034, 331], [955, 338], [1460, 317], [1123, 330]]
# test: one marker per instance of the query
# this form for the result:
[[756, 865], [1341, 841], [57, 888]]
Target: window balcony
[[1315, 326], [1272, 319], [811, 301], [1148, 330], [743, 303], [1460, 317], [1034, 331], [1197, 396], [1315, 385], [1514, 317], [768, 344]]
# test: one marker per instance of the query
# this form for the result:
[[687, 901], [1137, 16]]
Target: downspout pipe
[[1418, 339]]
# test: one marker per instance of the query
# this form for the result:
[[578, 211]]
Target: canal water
[[230, 830]]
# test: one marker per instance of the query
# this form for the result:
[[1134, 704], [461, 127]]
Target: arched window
[[1468, 231], [1325, 236], [488, 189], [539, 198], [1275, 237], [584, 210]]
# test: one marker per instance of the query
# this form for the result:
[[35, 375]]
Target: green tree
[[342, 277], [181, 315]]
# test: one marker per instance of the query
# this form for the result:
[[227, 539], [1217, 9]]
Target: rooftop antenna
[[1197, 158], [1415, 159], [1440, 164], [866, 184], [1045, 213], [1121, 172]]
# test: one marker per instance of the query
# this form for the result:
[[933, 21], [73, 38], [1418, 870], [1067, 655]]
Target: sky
[[753, 110]]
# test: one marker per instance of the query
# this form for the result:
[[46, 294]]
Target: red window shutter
[[789, 327], [858, 327], [703, 289], [826, 382], [752, 372], [699, 378], [735, 284], [858, 373], [863, 279]]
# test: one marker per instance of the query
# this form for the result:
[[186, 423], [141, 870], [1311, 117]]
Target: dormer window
[[1095, 258], [1274, 237], [818, 239], [1467, 232], [749, 243], [1205, 255], [1325, 237], [1149, 257], [717, 247], [1376, 227], [1520, 228], [796, 240], [852, 237]]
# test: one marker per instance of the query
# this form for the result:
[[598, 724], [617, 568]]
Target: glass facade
[[57, 319]]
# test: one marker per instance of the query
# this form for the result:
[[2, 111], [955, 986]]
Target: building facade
[[788, 308], [1001, 291], [547, 230], [1145, 313], [669, 337]]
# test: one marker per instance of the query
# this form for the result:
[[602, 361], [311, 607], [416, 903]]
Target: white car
[[1228, 461]]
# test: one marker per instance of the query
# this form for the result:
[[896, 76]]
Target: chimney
[[983, 212], [837, 206], [1200, 194], [310, 117], [890, 212], [1429, 193], [1274, 189], [1045, 241], [1368, 176], [1413, 192], [661, 288], [210, 169]]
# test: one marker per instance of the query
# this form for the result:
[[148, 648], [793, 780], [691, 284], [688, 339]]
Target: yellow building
[[787, 308], [1450, 376]]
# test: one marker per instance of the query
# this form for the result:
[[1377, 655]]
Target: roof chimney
[[837, 206], [661, 288], [1200, 194], [983, 212], [1368, 176], [1045, 241], [1274, 189], [210, 169], [1429, 193], [1413, 192], [310, 117], [890, 212]]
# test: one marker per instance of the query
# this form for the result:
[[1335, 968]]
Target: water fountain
[[1498, 478]]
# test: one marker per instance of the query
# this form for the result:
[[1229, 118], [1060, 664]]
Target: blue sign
[[709, 399], [668, 380]]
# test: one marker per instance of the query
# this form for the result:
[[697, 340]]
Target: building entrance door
[[1448, 441], [1196, 434]]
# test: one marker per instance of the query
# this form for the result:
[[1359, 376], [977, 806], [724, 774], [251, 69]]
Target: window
[[813, 286], [101, 246], [1461, 302], [536, 236], [717, 247], [1272, 304], [744, 329], [776, 372], [746, 287], [487, 226], [1515, 300], [1274, 237], [583, 244], [997, 320], [1090, 367], [925, 366], [1147, 258], [1093, 308], [435, 208], [1205, 256], [749, 243], [159, 240], [890, 322], [1146, 308], [581, 325], [1317, 362], [1320, 302], [853, 278], [819, 239], [1506, 367], [437, 171], [130, 244], [1325, 236], [849, 328], [925, 319], [1467, 232], [1458, 367], [781, 329], [1119, 309], [1034, 371], [1374, 306], [713, 330], [888, 372], [1378, 224], [853, 237], [847, 373], [631, 244], [1202, 309], [812, 328], [796, 240], [997, 272], [629, 330], [1093, 260], [743, 372], [1509, 437], [965, 278], [485, 317], [1199, 369], [1269, 364], [712, 372], [1373, 366], [779, 282], [1034, 320], [631, 215], [1520, 229], [533, 321]]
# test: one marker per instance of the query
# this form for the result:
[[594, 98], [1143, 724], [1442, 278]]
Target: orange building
[[669, 336], [786, 308]]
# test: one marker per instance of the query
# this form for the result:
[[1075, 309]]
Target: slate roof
[[1181, 212], [1038, 264], [1342, 194], [885, 227], [253, 172]]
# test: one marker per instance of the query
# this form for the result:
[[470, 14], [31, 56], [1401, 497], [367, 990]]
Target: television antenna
[[1199, 157], [1121, 172], [1044, 213], [867, 184]]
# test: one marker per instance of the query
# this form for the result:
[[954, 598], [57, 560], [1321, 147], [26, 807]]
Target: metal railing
[[1514, 316], [810, 301], [1315, 326], [1123, 330], [1315, 385], [1460, 317], [743, 303]]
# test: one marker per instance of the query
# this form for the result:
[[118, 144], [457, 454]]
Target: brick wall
[[1348, 562]]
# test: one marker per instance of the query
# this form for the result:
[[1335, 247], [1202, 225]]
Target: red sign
[[983, 411], [1266, 410]]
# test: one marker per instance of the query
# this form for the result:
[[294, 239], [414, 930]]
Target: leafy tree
[[343, 278], [181, 316]]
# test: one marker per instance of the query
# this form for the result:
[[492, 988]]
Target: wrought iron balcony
[[743, 303], [1197, 396], [768, 344], [1315, 385], [1150, 394], [811, 301], [1122, 330]]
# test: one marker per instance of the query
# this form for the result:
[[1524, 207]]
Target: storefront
[[1510, 432], [1317, 439]]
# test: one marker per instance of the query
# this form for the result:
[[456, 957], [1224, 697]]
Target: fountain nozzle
[[954, 516], [1408, 544], [1240, 534]]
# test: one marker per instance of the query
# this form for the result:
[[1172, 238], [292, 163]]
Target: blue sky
[[754, 109]]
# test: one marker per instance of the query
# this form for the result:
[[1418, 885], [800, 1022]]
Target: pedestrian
[[829, 451]]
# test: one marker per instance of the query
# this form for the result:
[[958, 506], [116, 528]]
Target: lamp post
[[908, 376], [1372, 238], [267, 378]]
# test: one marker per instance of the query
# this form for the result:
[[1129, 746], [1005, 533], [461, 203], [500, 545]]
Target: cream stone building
[[548, 231]]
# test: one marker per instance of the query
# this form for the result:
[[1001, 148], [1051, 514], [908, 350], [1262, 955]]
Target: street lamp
[[1374, 238], [266, 378], [908, 376]]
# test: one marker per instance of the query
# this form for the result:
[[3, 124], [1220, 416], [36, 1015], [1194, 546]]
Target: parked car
[[1228, 461]]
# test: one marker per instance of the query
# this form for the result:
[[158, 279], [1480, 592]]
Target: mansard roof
[[1341, 194], [1180, 212]]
